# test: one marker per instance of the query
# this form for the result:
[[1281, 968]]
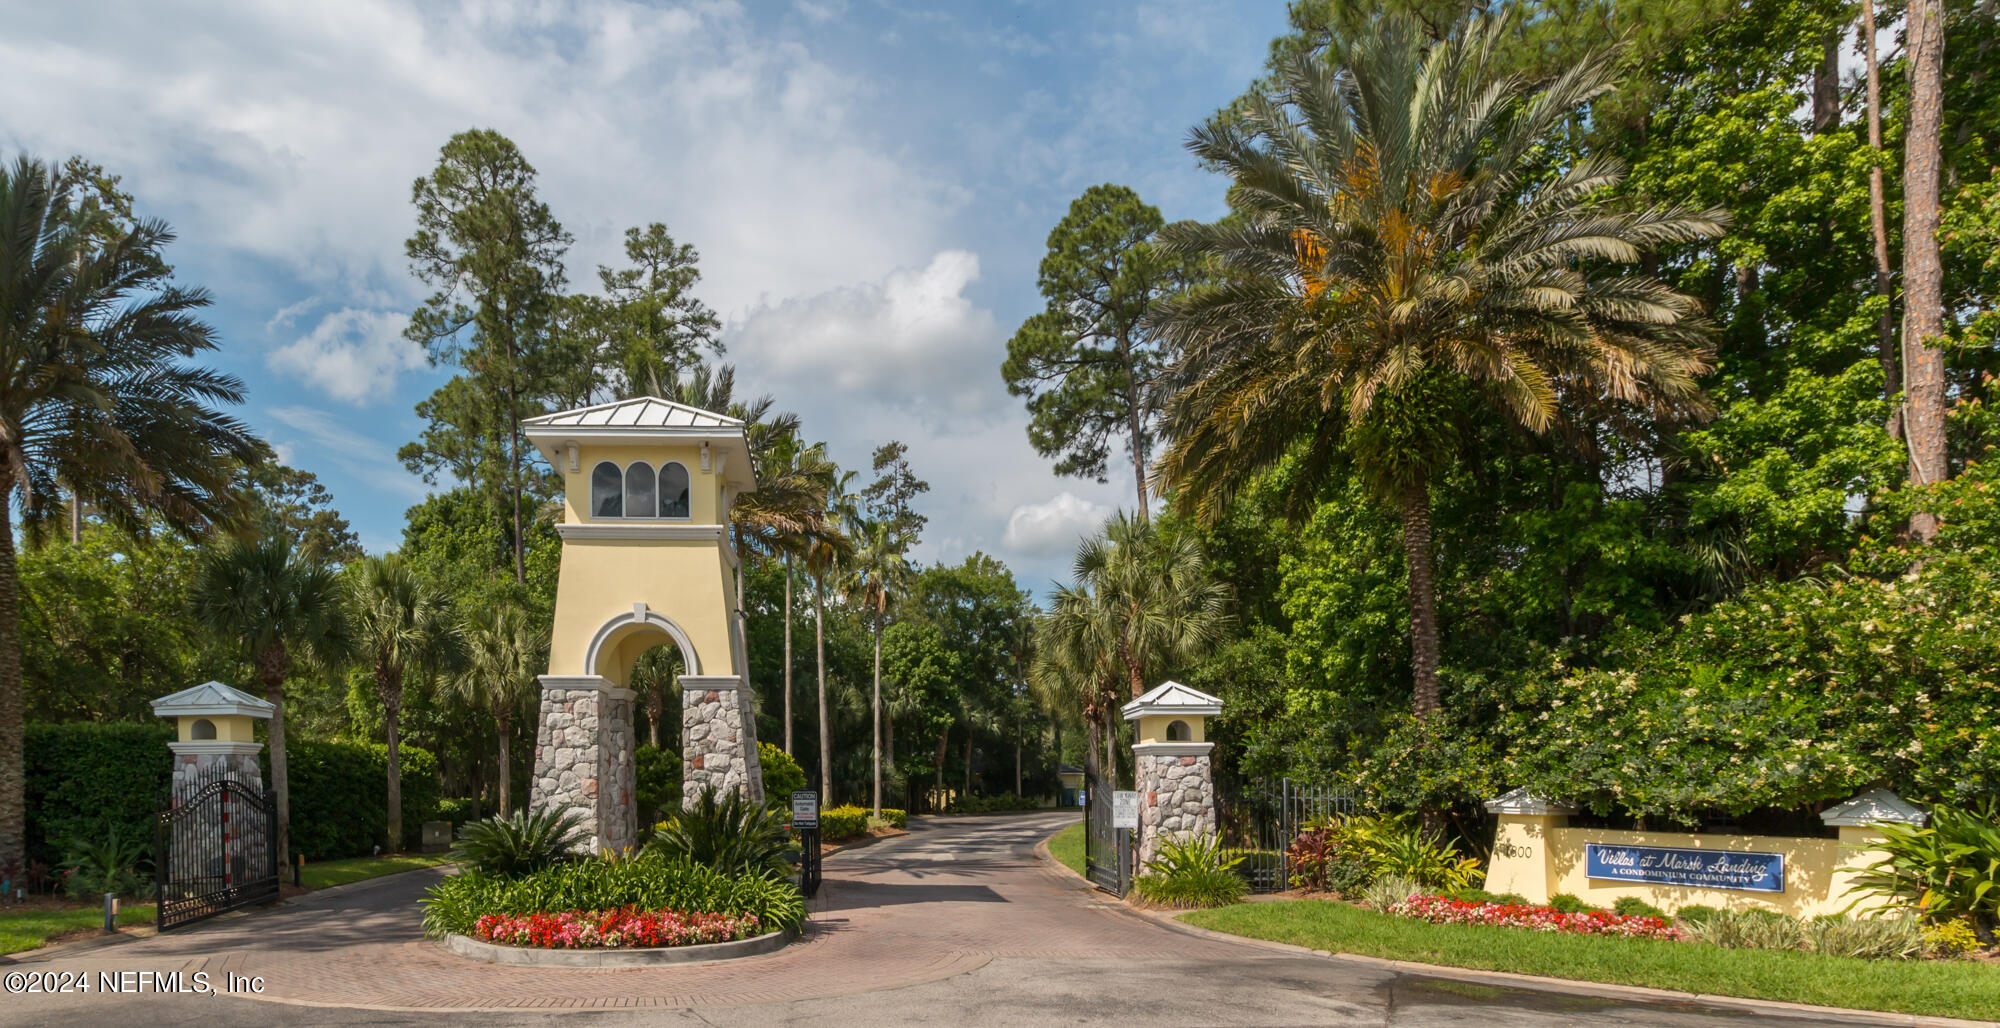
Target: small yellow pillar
[[1521, 844]]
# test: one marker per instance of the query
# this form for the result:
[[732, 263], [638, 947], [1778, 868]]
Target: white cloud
[[911, 341], [353, 355], [1053, 526]]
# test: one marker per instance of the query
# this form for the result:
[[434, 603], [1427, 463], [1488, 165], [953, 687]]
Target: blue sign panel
[[1702, 869]]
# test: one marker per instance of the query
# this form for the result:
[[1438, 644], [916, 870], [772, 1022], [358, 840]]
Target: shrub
[[1395, 846], [1569, 904], [728, 834], [1348, 873], [782, 774], [340, 795], [649, 881], [1191, 871], [457, 810], [1749, 929], [895, 818], [656, 782], [1695, 913], [1505, 899], [108, 862], [1310, 857], [1633, 906], [1007, 801], [1889, 938], [843, 822], [524, 843], [1949, 938], [1947, 869], [84, 779], [1444, 910], [1385, 893]]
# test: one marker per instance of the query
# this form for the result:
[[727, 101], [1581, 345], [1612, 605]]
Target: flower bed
[[1440, 910], [614, 929]]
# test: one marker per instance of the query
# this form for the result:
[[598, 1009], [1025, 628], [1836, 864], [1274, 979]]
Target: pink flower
[[1440, 910]]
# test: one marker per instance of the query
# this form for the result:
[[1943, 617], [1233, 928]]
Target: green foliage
[[1887, 938], [1396, 847], [106, 861], [836, 823], [1944, 870], [1633, 906], [83, 778], [727, 833], [455, 809], [1385, 891], [1569, 904], [1001, 803], [657, 778], [1949, 938], [1482, 896], [339, 805], [1191, 871], [521, 843], [648, 881], [1695, 913], [1749, 929], [895, 818], [782, 775]]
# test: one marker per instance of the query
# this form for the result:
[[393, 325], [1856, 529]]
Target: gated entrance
[[214, 850], [1107, 850], [1260, 819]]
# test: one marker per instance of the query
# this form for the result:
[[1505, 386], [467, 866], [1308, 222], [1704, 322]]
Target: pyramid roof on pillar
[[644, 419], [1875, 806], [211, 698], [1174, 698], [638, 412]]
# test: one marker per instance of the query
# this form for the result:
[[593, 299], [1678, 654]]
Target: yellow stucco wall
[[688, 581], [228, 727], [1538, 856], [1153, 727]]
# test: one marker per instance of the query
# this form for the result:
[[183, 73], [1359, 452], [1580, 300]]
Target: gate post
[[1171, 757], [216, 738]]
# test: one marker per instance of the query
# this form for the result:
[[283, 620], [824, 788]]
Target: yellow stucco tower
[[646, 560]]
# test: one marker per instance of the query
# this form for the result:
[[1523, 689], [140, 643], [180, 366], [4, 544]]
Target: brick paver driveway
[[959, 921]]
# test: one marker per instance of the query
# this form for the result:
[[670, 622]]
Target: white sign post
[[1125, 810]]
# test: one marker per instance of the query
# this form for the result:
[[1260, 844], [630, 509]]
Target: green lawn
[[1933, 987], [1067, 847], [341, 872], [31, 929]]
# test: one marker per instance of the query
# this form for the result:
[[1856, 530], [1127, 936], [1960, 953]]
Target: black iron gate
[[1107, 851], [214, 849], [1259, 820]]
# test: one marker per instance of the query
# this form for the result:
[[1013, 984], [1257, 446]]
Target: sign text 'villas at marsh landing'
[[1659, 865]]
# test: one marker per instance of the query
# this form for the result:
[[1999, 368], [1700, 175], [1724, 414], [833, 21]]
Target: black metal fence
[[214, 849], [1259, 820], [1107, 851]]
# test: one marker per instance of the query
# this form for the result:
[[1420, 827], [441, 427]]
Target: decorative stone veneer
[[194, 770], [718, 739], [1176, 797], [583, 759]]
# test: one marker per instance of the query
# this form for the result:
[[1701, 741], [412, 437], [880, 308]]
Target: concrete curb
[[1602, 990], [529, 956]]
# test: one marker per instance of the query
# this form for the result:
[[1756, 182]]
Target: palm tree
[[1405, 264], [827, 551], [504, 647], [878, 572], [785, 515], [400, 624], [95, 395], [1073, 670], [281, 606]]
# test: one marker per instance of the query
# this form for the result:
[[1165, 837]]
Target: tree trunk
[[1093, 768], [1826, 86], [875, 714], [656, 711], [13, 779], [514, 473], [1923, 286], [1416, 514], [281, 785], [1135, 423], [1111, 761], [825, 726], [968, 763], [937, 765], [507, 767], [1878, 222], [788, 653], [389, 681], [75, 517]]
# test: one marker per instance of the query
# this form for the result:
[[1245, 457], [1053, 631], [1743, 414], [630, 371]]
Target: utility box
[[437, 836]]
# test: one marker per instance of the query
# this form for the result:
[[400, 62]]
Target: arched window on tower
[[607, 491], [674, 490], [202, 730], [641, 491], [1177, 731]]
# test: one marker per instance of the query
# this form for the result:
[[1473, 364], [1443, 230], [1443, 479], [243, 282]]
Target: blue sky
[[870, 186]]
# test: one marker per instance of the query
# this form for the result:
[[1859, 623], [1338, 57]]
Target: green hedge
[[993, 804], [85, 777], [340, 802], [646, 882], [843, 822], [782, 775], [656, 773]]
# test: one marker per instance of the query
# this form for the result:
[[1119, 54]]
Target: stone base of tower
[[718, 739], [583, 759], [1176, 794]]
